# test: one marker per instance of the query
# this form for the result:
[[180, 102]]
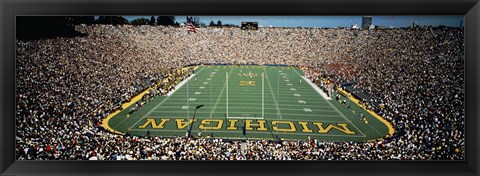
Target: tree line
[[36, 27], [120, 20]]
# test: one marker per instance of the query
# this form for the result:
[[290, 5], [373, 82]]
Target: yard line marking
[[221, 93], [168, 96], [346, 119], [151, 110], [307, 110], [297, 95], [302, 102], [183, 107], [273, 95], [192, 99], [293, 89], [374, 129], [324, 95], [198, 93]]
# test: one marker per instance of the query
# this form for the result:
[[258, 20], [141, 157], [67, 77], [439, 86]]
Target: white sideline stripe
[[151, 110], [328, 98], [216, 118], [244, 117], [282, 90], [249, 108], [284, 114], [320, 91], [220, 95], [284, 105], [257, 132], [178, 86], [246, 97]]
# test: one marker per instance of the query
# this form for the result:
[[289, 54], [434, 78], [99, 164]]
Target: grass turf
[[292, 108]]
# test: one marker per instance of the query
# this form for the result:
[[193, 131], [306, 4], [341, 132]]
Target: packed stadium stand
[[66, 86]]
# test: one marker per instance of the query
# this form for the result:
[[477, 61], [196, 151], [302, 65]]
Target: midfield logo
[[247, 83]]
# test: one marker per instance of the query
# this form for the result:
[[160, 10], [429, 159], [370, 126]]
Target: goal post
[[228, 111]]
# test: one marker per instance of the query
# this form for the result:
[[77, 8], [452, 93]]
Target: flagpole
[[188, 105]]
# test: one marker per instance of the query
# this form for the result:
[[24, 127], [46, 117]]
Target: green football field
[[250, 102]]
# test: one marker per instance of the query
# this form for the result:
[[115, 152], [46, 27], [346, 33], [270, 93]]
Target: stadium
[[154, 92]]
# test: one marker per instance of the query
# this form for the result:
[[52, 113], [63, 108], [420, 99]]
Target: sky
[[326, 21]]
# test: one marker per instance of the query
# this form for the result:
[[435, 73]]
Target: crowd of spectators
[[65, 85]]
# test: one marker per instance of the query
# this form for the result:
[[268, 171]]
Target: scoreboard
[[249, 25]]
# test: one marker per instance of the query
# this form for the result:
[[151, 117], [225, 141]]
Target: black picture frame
[[9, 9]]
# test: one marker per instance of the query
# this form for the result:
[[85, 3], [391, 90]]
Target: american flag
[[190, 25]]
